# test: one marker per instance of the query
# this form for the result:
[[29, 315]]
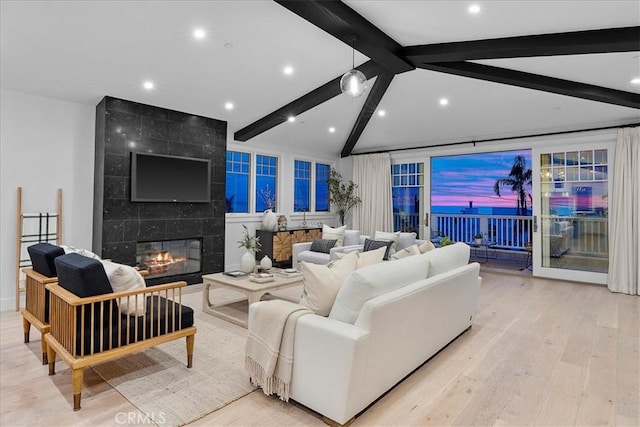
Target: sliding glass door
[[571, 211]]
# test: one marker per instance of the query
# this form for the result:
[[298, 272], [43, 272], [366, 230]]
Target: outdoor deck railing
[[589, 235]]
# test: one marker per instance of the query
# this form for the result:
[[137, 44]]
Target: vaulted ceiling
[[515, 68]]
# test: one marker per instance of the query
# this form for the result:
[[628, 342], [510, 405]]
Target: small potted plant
[[478, 239], [252, 244]]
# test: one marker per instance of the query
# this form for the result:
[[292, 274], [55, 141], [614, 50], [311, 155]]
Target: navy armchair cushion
[[42, 258], [82, 276]]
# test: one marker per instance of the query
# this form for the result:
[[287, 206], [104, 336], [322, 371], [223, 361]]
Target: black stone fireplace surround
[[125, 126]]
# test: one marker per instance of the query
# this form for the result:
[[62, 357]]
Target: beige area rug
[[159, 384]]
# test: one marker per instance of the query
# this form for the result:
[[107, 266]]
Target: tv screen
[[162, 178]]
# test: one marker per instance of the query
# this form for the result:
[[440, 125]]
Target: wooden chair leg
[[26, 327], [43, 346], [76, 385], [51, 358], [190, 344]]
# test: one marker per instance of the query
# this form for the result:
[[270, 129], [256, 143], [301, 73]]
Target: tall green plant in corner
[[342, 195]]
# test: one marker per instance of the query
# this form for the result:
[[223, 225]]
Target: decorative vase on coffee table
[[248, 262], [265, 263], [269, 220]]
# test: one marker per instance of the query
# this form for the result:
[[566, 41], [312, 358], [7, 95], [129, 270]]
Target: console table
[[277, 245]]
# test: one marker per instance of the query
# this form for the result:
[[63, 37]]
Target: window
[[237, 188], [407, 190], [266, 182], [302, 186], [322, 187]]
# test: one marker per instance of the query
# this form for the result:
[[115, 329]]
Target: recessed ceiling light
[[635, 81], [332, 129], [288, 70], [474, 8], [444, 101], [148, 85], [382, 113], [229, 105], [198, 33], [291, 119]]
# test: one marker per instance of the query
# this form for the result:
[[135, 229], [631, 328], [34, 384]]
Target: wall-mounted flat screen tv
[[162, 178]]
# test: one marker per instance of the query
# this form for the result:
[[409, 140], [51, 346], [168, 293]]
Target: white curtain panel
[[624, 209], [372, 173]]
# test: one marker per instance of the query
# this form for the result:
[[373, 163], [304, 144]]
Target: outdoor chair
[[89, 322]]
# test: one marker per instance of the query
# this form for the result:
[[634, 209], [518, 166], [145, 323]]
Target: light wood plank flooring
[[540, 352]]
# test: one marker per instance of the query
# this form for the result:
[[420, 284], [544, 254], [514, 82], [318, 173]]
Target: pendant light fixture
[[353, 82]]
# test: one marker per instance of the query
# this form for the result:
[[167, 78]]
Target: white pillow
[[365, 258], [322, 282], [405, 240], [334, 233], [447, 258], [406, 252], [426, 247], [84, 252], [126, 278], [383, 235], [366, 283]]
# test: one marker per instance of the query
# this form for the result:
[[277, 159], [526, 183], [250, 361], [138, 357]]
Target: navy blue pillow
[[42, 256], [82, 276], [371, 245], [322, 245]]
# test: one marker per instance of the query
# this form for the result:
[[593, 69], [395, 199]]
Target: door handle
[[535, 223], [426, 219]]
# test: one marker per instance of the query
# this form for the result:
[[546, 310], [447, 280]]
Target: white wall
[[45, 144]]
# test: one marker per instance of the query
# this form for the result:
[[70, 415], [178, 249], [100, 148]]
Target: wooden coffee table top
[[245, 284]]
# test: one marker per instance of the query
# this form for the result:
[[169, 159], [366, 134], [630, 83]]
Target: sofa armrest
[[330, 359], [296, 249]]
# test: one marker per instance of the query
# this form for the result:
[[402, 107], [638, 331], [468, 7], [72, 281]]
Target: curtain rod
[[474, 142]]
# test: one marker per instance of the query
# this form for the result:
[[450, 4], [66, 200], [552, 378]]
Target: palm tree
[[519, 178]]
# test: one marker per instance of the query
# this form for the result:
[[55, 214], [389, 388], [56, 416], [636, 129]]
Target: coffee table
[[254, 291]]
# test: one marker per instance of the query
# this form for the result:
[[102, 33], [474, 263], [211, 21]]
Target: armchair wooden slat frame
[[34, 313], [79, 347]]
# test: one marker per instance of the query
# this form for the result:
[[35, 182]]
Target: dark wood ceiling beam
[[537, 82], [626, 39], [342, 22], [373, 99], [302, 104]]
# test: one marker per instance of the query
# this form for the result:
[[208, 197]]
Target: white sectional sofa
[[386, 321]]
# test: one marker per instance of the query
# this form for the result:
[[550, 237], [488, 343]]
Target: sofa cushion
[[369, 282], [334, 233], [426, 247], [42, 258], [447, 258], [365, 258], [406, 252], [370, 245], [393, 237], [126, 278], [405, 240], [351, 237], [322, 245], [314, 257], [322, 282]]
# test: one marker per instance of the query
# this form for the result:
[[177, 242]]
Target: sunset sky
[[456, 180]]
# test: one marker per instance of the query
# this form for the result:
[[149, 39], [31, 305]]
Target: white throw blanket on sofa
[[269, 351]]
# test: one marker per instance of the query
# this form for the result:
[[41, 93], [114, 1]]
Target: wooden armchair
[[42, 273], [89, 324]]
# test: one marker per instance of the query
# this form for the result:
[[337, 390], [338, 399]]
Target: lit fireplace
[[169, 257]]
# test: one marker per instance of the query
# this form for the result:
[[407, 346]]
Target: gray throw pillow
[[322, 245], [370, 245]]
